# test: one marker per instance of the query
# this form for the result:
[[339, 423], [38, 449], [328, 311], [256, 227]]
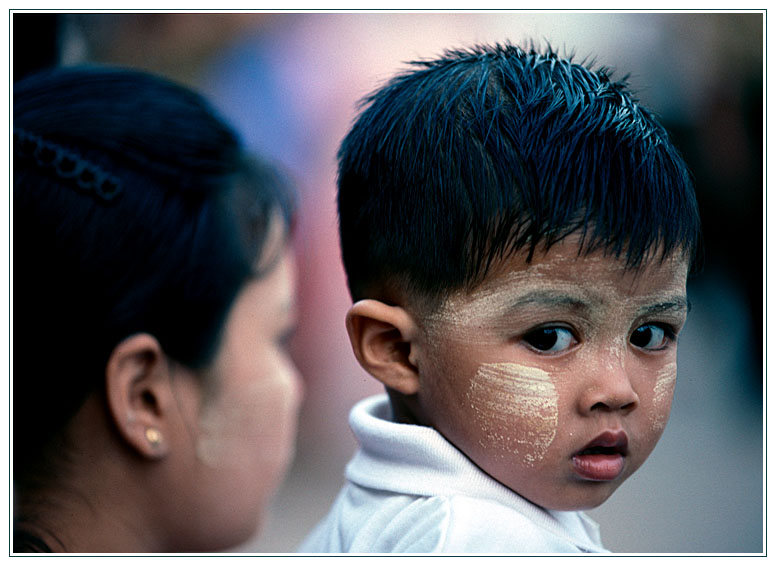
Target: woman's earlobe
[[383, 338], [137, 385]]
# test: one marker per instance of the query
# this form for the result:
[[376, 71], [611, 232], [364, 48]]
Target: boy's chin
[[582, 497]]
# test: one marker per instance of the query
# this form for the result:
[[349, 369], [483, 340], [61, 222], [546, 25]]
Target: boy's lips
[[603, 459]]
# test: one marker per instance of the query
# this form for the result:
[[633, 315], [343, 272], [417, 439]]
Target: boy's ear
[[383, 340], [139, 394]]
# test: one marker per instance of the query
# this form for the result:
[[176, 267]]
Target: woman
[[154, 404]]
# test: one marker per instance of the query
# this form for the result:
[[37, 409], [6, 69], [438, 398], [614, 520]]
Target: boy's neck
[[402, 408]]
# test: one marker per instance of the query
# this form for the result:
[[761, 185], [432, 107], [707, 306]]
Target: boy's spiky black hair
[[483, 152]]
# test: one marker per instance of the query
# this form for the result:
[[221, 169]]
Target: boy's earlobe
[[137, 387], [383, 338]]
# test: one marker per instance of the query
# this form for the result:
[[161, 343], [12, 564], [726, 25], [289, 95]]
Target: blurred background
[[290, 82]]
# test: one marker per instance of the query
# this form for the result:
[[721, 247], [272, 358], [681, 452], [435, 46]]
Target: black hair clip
[[67, 165]]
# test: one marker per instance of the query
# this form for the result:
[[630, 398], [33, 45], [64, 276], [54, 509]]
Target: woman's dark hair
[[135, 210], [483, 152]]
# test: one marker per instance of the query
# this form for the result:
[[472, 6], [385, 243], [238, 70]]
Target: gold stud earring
[[154, 437]]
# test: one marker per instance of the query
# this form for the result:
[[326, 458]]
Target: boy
[[517, 233]]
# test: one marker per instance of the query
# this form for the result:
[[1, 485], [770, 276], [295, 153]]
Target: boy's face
[[556, 377]]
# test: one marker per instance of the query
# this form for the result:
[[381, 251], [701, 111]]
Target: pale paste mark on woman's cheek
[[227, 422], [663, 392], [516, 407]]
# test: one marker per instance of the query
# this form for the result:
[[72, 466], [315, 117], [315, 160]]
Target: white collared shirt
[[409, 490]]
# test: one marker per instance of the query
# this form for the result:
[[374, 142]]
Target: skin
[[244, 427], [525, 371]]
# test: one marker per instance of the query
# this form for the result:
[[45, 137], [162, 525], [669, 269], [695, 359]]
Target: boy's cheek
[[661, 396], [515, 410]]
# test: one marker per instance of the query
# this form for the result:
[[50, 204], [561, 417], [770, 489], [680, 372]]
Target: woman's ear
[[139, 394], [384, 342]]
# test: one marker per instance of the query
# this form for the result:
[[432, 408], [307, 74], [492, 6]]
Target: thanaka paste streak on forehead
[[461, 316]]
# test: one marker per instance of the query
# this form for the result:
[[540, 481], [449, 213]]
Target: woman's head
[[136, 213]]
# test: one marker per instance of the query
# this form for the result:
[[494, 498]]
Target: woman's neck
[[74, 522], [91, 497]]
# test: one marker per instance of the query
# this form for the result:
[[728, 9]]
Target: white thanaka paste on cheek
[[227, 422], [663, 394], [517, 409]]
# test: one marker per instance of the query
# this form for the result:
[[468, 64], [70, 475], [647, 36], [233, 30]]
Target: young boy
[[517, 233]]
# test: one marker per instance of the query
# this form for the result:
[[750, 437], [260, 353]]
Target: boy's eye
[[552, 339], [650, 337]]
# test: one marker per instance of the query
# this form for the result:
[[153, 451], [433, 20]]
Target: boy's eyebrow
[[556, 299], [677, 303]]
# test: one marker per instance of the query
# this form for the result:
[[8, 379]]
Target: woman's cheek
[[254, 421]]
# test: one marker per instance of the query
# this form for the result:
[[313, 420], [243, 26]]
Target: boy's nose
[[610, 389]]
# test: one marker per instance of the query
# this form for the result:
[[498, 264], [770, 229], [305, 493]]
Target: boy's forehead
[[565, 260], [563, 275]]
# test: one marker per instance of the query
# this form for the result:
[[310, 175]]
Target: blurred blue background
[[290, 84]]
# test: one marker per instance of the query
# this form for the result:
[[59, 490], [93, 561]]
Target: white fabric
[[409, 490]]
